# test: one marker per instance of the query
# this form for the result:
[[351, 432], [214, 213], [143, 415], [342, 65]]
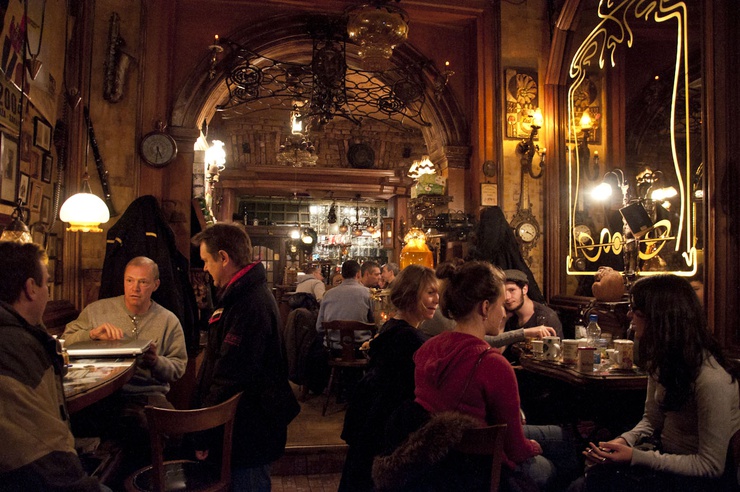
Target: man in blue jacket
[[244, 354]]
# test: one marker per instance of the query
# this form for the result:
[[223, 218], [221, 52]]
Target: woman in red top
[[459, 371]]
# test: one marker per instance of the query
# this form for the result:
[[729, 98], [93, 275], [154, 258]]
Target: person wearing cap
[[526, 313]]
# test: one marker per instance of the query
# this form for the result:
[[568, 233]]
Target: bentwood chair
[[486, 441], [348, 360], [186, 475]]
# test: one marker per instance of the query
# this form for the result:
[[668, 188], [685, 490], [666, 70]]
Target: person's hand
[[540, 331], [106, 331], [537, 447], [149, 358], [614, 451], [201, 455]]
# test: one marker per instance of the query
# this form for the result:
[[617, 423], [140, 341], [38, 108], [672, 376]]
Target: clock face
[[527, 232], [158, 149]]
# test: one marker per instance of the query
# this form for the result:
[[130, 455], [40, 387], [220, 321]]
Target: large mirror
[[635, 167]]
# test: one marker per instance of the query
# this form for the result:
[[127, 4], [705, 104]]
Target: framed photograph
[[41, 134], [34, 164], [8, 168], [52, 267], [35, 200], [387, 233], [522, 98], [46, 168], [45, 213], [51, 246], [23, 184], [488, 194], [26, 142]]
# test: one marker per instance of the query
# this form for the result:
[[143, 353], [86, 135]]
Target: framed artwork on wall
[[522, 98], [35, 200], [46, 168], [41, 134], [23, 185], [488, 194], [387, 233], [45, 213], [8, 168]]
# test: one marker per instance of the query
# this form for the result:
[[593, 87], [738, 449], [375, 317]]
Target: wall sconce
[[296, 123], [442, 80], [422, 167], [528, 148], [216, 49], [584, 154], [17, 230], [613, 179]]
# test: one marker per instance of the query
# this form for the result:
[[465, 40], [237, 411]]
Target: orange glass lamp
[[416, 251]]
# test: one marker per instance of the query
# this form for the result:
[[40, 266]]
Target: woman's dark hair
[[676, 340], [467, 285], [407, 286]]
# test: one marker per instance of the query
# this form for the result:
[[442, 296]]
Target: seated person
[[349, 300], [136, 315], [458, 371], [370, 275], [523, 311], [312, 282], [692, 407], [38, 450]]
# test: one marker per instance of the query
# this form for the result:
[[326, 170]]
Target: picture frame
[[26, 139], [51, 246], [47, 165], [34, 164], [23, 185], [387, 233], [488, 194], [45, 212], [8, 168], [51, 266], [41, 134], [522, 98], [35, 199]]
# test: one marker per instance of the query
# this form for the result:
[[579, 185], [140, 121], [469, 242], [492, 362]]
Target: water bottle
[[593, 330]]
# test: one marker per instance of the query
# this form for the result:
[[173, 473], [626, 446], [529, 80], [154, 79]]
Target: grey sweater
[[157, 324], [694, 439]]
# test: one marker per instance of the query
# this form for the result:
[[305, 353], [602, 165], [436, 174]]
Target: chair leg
[[329, 387]]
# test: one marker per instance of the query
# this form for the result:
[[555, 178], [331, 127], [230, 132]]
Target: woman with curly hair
[[692, 407]]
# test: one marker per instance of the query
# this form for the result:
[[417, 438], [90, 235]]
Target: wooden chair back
[[163, 422], [486, 441], [347, 329]]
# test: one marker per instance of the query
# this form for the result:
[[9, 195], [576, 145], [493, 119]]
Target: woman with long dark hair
[[389, 380], [692, 407]]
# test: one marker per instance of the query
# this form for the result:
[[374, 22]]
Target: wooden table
[[91, 380], [599, 378]]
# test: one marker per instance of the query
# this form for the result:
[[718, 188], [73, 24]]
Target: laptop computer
[[108, 348]]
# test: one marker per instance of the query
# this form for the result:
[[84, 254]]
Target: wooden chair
[[185, 474], [347, 329], [486, 441]]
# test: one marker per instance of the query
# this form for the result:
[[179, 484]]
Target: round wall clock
[[361, 156], [158, 149]]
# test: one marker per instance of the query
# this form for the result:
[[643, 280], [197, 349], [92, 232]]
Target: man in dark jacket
[[244, 354], [38, 448]]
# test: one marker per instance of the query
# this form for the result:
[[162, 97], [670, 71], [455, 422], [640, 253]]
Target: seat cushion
[[179, 476]]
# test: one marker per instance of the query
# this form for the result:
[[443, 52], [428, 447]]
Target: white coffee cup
[[551, 347], [570, 351], [585, 359], [538, 349], [625, 349]]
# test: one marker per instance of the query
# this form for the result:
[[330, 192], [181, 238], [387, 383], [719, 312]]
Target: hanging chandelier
[[357, 228], [377, 28], [297, 154], [328, 85]]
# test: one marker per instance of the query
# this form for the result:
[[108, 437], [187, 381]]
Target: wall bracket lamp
[[527, 148], [584, 153]]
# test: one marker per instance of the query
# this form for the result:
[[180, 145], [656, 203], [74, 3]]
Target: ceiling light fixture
[[17, 231], [328, 85]]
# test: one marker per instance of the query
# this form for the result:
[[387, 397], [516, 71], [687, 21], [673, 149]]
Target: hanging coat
[[143, 231]]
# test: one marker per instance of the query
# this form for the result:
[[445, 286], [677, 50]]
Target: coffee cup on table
[[625, 354], [538, 349], [585, 359], [551, 347], [570, 351]]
